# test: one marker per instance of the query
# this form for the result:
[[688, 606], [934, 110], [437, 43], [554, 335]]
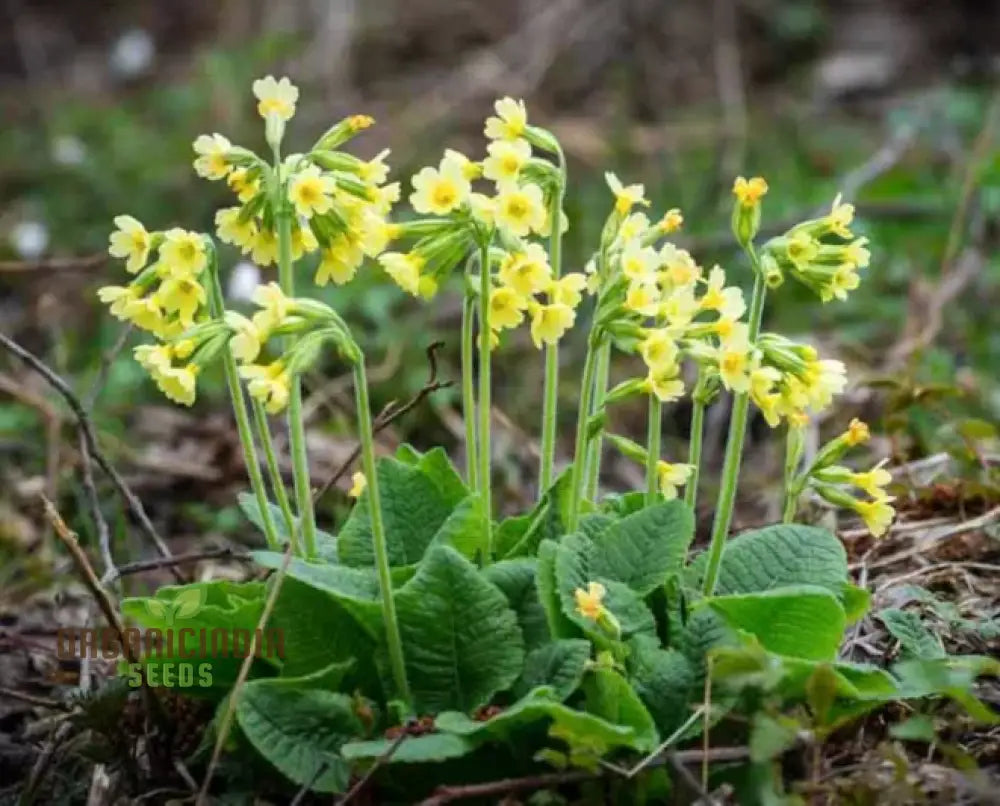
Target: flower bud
[[773, 274], [542, 138], [746, 210], [342, 131], [336, 161], [274, 130]]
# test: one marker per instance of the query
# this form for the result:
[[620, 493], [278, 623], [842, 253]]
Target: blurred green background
[[890, 103]]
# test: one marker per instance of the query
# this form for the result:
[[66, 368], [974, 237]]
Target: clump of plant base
[[578, 633]]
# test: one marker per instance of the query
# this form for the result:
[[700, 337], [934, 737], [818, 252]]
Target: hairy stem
[[468, 392], [484, 397], [734, 445], [218, 305], [653, 441], [580, 449], [694, 445], [595, 447], [394, 642], [277, 482]]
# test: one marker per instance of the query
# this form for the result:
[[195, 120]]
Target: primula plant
[[584, 632]]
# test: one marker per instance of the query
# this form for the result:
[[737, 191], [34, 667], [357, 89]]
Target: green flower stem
[[296, 427], [580, 450], [550, 405], [218, 306], [595, 447], [277, 482], [793, 485], [393, 640], [468, 392], [653, 441], [485, 481], [694, 444], [734, 443]]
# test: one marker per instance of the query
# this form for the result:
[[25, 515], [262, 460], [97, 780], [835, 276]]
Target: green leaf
[[430, 748], [436, 465], [299, 731], [220, 605], [919, 728], [914, 638], [516, 578], [573, 571], [610, 697], [953, 677], [534, 707], [326, 543], [665, 681], [460, 637], [799, 621], [413, 509], [355, 589], [770, 736], [559, 664], [318, 630], [775, 557], [856, 602], [643, 549], [548, 593], [545, 522], [465, 528]]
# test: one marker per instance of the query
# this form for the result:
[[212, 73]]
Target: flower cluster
[[836, 483], [821, 253]]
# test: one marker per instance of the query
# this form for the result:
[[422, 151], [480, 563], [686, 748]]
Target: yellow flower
[[505, 160], [182, 294], [240, 183], [506, 308], [179, 384], [568, 289], [358, 484], [672, 476], [268, 384], [274, 305], [857, 254], [824, 379], [339, 263], [183, 252], [130, 241], [527, 272], [438, 191], [231, 230], [873, 481], [728, 302], [311, 191], [840, 217], [634, 225], [679, 268], [797, 419], [550, 322], [264, 247], [658, 349], [857, 433], [456, 159], [626, 196], [483, 208], [213, 152], [246, 339], [802, 249], [762, 383], [277, 97], [404, 269], [303, 241], [733, 356], [128, 305], [749, 191], [384, 197], [844, 279], [877, 514], [679, 308], [589, 602], [664, 384], [375, 171], [375, 234], [520, 209], [639, 262], [510, 122], [642, 298], [153, 358], [671, 222]]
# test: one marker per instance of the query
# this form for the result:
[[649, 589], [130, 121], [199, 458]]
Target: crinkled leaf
[[856, 602], [413, 509], [460, 637], [436, 465], [775, 557], [644, 548], [545, 522], [914, 638], [665, 681], [548, 592], [465, 528], [609, 696], [326, 543], [800, 621], [429, 748], [300, 731], [516, 578], [559, 664]]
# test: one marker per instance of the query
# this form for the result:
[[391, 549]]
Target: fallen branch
[[178, 559], [390, 413], [31, 699], [87, 429]]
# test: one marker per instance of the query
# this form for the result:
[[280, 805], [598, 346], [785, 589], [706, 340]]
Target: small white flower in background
[[29, 239], [68, 150], [243, 281], [132, 54]]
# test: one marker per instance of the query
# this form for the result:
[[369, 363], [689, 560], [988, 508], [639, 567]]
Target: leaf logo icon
[[184, 605]]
